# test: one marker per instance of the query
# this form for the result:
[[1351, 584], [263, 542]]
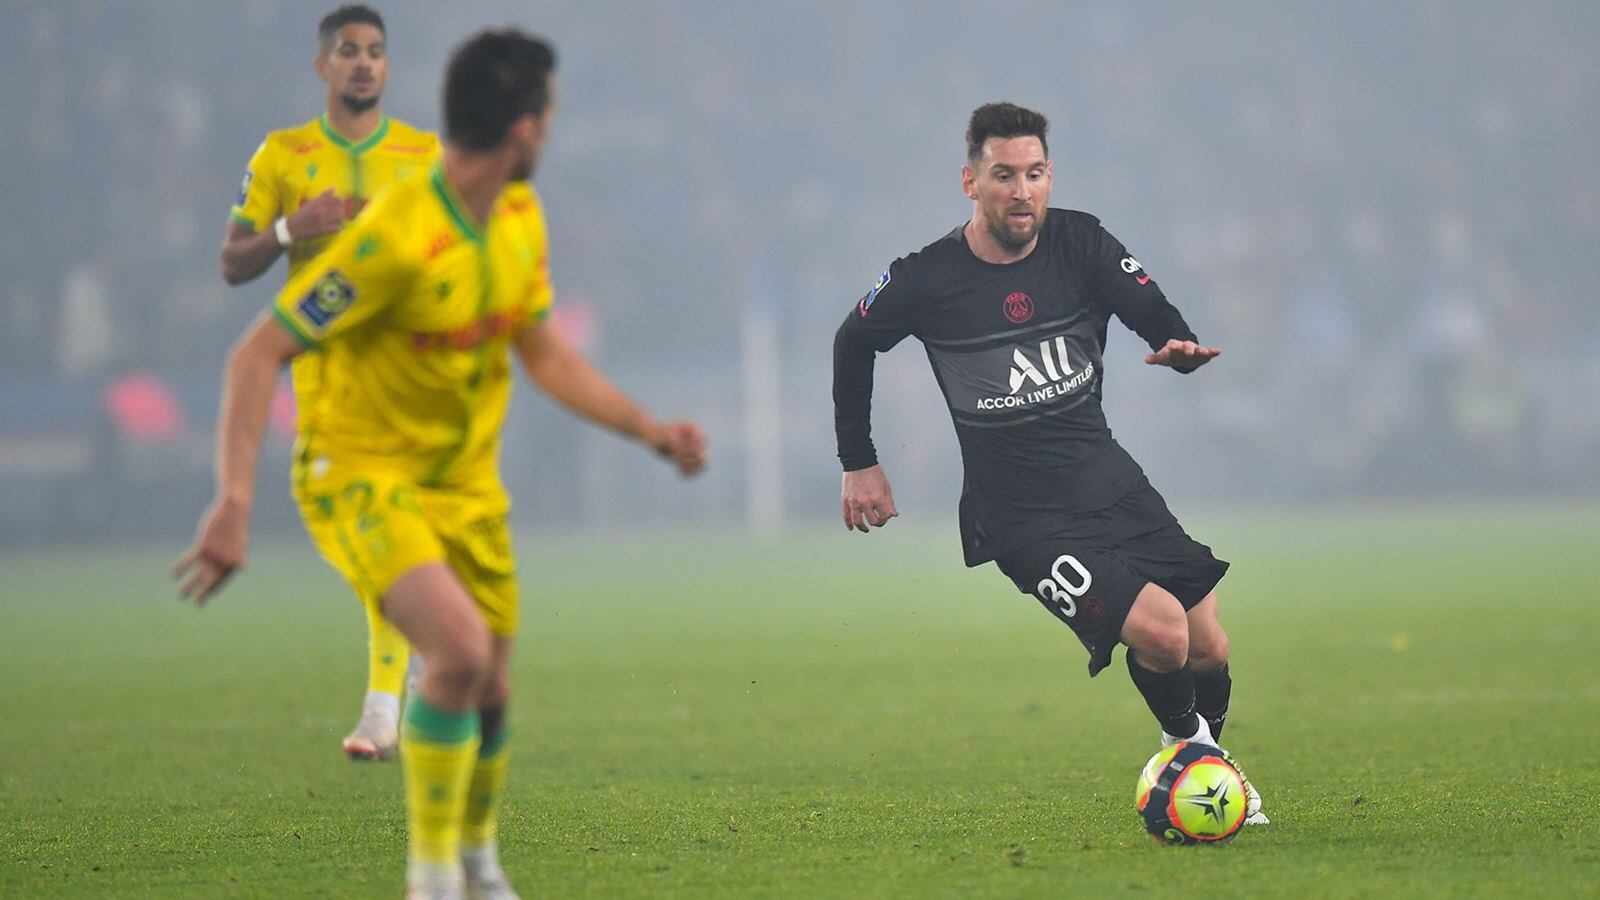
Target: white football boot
[[485, 879], [377, 734], [433, 882], [1252, 808]]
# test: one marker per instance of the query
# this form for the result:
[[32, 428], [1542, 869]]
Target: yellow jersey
[[294, 165], [297, 164], [413, 308]]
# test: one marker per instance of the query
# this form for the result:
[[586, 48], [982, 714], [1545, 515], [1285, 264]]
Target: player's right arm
[[880, 319], [251, 243], [248, 381]]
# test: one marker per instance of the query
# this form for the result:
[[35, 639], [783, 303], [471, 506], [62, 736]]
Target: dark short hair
[[348, 14], [494, 79], [1004, 120]]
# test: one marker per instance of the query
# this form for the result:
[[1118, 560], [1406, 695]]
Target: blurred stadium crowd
[[1385, 213]]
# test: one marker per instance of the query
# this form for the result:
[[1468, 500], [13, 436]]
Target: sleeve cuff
[[293, 327]]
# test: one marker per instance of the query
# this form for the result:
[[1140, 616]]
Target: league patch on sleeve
[[866, 302], [244, 186], [329, 297]]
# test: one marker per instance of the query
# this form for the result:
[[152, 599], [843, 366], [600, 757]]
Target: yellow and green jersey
[[413, 308], [296, 164]]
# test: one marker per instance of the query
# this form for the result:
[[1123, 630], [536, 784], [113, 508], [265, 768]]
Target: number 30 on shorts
[[1061, 591]]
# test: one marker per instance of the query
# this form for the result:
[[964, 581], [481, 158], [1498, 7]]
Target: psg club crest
[[1019, 307]]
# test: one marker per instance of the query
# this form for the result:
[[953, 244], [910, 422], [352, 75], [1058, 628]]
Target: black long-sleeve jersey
[[1016, 349]]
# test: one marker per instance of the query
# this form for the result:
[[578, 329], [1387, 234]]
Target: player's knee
[[462, 663], [1164, 650], [1157, 630]]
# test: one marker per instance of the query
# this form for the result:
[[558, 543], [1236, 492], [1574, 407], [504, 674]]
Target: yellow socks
[[387, 655], [486, 790], [439, 751]]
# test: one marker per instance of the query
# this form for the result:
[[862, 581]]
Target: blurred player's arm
[[879, 320], [1120, 282], [556, 366], [248, 382], [252, 241], [246, 252]]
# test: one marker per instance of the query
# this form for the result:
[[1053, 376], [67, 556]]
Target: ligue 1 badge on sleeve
[[866, 302], [329, 297]]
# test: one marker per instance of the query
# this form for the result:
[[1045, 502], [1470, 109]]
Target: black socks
[[1211, 691], [1170, 696]]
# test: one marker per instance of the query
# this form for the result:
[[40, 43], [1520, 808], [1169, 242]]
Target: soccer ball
[[1189, 794]]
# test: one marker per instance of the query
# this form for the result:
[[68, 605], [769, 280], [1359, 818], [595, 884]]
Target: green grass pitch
[[1417, 694]]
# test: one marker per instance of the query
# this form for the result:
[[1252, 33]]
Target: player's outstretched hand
[[1185, 356], [865, 499], [322, 214], [685, 445], [217, 553]]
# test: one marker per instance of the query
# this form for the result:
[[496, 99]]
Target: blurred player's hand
[[865, 499], [1183, 355], [217, 553], [683, 443], [322, 214]]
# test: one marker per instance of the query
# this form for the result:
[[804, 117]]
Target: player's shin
[[1211, 692], [1170, 696], [439, 750]]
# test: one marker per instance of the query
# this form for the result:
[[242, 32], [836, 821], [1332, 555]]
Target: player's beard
[[358, 105], [1008, 239], [523, 170]]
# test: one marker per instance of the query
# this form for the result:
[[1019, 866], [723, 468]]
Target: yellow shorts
[[374, 526]]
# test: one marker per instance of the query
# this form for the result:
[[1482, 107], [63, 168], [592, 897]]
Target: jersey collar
[[354, 149], [454, 205]]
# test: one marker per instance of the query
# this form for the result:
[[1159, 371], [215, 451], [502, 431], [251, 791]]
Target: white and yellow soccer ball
[[1189, 794]]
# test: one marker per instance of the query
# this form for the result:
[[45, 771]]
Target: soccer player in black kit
[[1012, 309]]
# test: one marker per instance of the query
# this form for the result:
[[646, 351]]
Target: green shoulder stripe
[[294, 328], [453, 205]]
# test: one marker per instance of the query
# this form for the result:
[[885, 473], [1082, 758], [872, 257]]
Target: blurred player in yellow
[[416, 308], [302, 185]]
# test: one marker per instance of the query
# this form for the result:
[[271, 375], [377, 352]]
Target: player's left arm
[[561, 371], [221, 540], [1119, 281]]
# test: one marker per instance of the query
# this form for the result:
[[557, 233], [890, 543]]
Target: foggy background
[[1384, 213]]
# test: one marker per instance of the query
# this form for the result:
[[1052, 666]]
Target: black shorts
[[1088, 573]]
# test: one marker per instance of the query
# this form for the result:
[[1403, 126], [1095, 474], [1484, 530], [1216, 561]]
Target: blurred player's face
[[1009, 184], [356, 67], [529, 136]]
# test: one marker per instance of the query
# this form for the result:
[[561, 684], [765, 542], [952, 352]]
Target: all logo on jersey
[[1037, 379], [866, 302], [1018, 307], [1022, 369], [1132, 267], [329, 297], [244, 186]]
